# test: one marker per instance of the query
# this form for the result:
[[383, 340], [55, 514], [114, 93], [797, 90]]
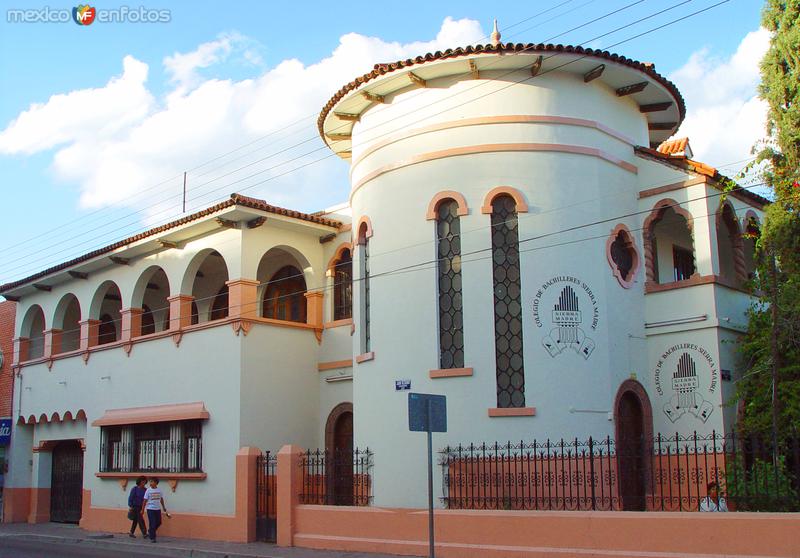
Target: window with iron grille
[[343, 287], [451, 315], [174, 447], [507, 304]]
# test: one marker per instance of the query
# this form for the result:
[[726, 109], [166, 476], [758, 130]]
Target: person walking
[[135, 513], [154, 502]]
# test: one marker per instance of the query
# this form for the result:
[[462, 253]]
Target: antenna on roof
[[495, 35]]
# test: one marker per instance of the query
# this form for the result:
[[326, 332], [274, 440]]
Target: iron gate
[[66, 488], [266, 497]]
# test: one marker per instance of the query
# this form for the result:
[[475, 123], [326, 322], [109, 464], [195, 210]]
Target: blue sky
[[138, 103]]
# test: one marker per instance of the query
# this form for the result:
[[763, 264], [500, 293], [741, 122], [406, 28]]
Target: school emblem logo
[[574, 309], [693, 376]]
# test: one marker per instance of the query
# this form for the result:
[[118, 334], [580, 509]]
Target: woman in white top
[[713, 502]]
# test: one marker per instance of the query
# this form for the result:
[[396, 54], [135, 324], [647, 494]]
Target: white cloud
[[725, 116], [127, 141]]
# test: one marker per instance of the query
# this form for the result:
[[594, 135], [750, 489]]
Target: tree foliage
[[775, 318]]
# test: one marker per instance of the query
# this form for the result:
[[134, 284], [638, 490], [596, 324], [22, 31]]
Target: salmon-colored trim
[[450, 372], [657, 191], [631, 243], [521, 204], [484, 120], [16, 504], [457, 197], [364, 357], [40, 505], [333, 364], [346, 228], [338, 323], [362, 222], [155, 413], [512, 411], [495, 148], [647, 232], [239, 527], [337, 255], [162, 476]]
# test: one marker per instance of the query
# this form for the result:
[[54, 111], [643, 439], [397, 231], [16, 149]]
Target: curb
[[164, 549]]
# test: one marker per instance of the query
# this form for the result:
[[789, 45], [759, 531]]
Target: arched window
[[669, 246], [107, 332], [33, 328], [343, 286], [751, 235], [729, 245], [67, 319], [364, 234], [507, 303], [622, 255], [148, 321], [451, 314], [219, 306], [107, 310], [284, 298]]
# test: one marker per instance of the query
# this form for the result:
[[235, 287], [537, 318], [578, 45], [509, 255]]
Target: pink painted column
[[314, 313], [22, 347], [52, 342], [289, 482], [242, 298], [90, 333], [180, 311], [246, 462], [131, 323]]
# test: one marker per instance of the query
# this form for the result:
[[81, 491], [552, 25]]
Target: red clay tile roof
[[684, 163], [381, 69], [671, 147], [235, 199]]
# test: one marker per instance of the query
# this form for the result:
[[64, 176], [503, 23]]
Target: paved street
[[56, 540]]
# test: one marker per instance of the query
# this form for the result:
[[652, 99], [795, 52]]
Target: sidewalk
[[166, 546]]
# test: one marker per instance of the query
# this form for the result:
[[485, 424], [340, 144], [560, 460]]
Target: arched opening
[[68, 320], [284, 298], [451, 307], [33, 329], [151, 295], [209, 288], [670, 246], [752, 233], [281, 275], [339, 449], [633, 418], [106, 307], [343, 286], [364, 235], [622, 255], [729, 245]]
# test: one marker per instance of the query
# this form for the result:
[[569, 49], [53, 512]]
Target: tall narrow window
[[451, 316], [507, 304], [343, 287], [363, 241]]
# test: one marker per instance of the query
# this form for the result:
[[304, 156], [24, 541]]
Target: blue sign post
[[428, 413]]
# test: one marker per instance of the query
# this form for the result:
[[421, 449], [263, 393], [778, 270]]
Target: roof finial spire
[[495, 34]]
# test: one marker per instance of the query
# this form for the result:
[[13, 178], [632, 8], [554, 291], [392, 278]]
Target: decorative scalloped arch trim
[[519, 199], [647, 230], [337, 255], [457, 197], [364, 224], [637, 260]]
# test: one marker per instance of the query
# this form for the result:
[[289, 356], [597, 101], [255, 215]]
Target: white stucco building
[[513, 240]]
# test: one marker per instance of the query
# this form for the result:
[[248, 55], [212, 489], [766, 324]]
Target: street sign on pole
[[428, 413]]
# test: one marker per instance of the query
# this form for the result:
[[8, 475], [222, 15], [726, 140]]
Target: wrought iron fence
[[661, 474], [339, 478], [266, 497], [157, 456]]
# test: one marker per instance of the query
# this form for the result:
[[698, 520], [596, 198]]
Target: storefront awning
[[156, 413]]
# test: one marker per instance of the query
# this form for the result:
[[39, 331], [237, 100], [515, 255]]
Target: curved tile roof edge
[[382, 69], [235, 199]]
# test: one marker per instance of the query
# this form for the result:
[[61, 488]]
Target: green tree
[[771, 347]]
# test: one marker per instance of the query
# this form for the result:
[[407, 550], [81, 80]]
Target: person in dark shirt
[[135, 514]]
